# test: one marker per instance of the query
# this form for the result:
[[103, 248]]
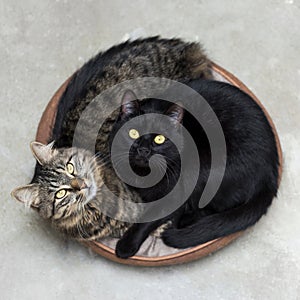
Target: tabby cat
[[68, 190], [151, 57], [67, 186]]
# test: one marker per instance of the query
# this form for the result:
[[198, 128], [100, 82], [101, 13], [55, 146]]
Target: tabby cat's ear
[[27, 194], [130, 104], [42, 153], [175, 112]]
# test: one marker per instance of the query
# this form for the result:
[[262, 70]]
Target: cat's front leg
[[133, 238]]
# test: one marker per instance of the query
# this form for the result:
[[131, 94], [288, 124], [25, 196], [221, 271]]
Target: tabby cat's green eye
[[60, 194], [134, 134], [159, 139], [70, 168]]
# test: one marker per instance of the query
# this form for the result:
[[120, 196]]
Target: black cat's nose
[[145, 152]]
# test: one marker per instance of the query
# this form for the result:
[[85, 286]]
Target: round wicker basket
[[44, 132]]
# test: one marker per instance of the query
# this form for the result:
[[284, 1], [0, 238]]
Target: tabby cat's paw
[[125, 249]]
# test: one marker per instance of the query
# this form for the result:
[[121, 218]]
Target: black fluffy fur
[[251, 177]]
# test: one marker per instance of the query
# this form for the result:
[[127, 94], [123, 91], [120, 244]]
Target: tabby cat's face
[[64, 181]]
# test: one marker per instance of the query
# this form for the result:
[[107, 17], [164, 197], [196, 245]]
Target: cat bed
[[153, 251]]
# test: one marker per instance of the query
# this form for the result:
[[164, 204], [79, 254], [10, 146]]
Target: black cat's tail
[[221, 224]]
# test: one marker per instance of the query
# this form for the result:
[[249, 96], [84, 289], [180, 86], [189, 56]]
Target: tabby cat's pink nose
[[78, 184]]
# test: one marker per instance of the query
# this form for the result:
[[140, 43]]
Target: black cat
[[251, 177]]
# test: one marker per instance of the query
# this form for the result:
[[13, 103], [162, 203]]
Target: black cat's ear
[[175, 112], [130, 104]]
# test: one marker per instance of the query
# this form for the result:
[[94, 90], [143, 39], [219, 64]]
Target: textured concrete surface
[[43, 42]]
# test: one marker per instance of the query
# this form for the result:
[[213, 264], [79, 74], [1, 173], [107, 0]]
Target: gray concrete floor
[[43, 42]]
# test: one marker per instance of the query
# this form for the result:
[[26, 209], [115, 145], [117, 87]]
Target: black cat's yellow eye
[[134, 134], [70, 168], [159, 139], [60, 194]]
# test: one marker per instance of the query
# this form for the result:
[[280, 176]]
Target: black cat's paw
[[125, 249], [171, 238]]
